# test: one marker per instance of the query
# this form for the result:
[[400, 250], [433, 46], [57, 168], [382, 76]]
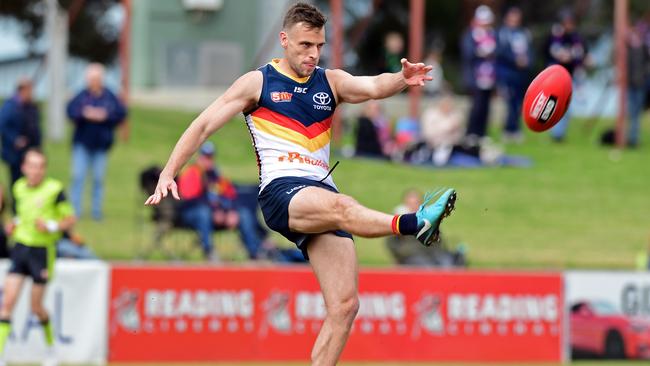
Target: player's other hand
[[9, 228], [41, 225], [416, 74], [165, 185]]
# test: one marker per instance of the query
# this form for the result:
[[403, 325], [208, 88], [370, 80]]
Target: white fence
[[77, 300]]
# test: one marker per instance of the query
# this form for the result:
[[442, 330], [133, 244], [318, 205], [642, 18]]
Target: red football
[[547, 98]]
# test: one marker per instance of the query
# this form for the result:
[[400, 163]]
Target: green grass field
[[579, 206]]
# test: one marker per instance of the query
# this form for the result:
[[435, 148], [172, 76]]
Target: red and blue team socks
[[405, 224]]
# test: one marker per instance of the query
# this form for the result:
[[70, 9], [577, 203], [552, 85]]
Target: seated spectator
[[406, 250], [211, 201], [194, 208], [407, 133], [373, 135], [442, 128], [72, 246]]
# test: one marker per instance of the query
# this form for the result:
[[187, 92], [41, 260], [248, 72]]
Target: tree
[[93, 35]]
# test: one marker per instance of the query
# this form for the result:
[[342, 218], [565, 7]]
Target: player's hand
[[416, 74], [9, 228], [41, 225], [165, 185]]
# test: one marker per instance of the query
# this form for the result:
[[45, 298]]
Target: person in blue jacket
[[513, 69], [95, 112], [478, 47], [19, 127]]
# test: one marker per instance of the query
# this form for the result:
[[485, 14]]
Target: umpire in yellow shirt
[[42, 213]]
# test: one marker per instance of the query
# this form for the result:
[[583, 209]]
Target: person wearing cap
[[20, 127], [211, 201], [479, 63], [195, 210], [513, 67], [566, 47], [95, 113]]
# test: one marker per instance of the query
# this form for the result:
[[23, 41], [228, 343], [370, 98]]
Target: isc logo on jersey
[[322, 100], [279, 97]]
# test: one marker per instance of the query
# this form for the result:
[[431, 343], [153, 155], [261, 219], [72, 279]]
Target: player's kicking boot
[[430, 216]]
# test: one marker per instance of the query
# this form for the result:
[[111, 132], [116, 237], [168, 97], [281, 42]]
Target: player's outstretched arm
[[242, 95], [358, 89]]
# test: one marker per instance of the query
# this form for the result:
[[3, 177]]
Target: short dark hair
[[305, 13], [23, 83], [35, 150]]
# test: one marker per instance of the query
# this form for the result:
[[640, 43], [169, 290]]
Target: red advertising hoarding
[[274, 314]]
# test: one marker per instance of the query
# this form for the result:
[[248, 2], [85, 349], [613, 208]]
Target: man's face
[[26, 93], [205, 161], [34, 167], [569, 24], [513, 18], [302, 46], [412, 201], [95, 78]]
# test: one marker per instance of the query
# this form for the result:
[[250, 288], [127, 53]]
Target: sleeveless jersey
[[291, 126]]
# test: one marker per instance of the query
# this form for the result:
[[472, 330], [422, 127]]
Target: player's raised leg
[[339, 287], [316, 210]]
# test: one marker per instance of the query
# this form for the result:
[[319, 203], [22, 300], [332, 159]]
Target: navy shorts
[[274, 202], [29, 261]]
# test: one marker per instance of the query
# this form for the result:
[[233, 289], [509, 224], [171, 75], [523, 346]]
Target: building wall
[[174, 48]]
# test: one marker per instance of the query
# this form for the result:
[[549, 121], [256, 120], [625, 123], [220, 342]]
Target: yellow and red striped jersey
[[291, 127]]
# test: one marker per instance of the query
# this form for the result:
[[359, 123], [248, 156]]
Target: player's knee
[[6, 309], [345, 309], [344, 206], [39, 310]]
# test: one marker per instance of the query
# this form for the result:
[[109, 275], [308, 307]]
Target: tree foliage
[[92, 35]]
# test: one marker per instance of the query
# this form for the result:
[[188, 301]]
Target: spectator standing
[[566, 47], [479, 63], [513, 67], [393, 52], [95, 112], [637, 58], [20, 127]]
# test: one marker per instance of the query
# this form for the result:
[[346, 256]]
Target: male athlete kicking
[[288, 105]]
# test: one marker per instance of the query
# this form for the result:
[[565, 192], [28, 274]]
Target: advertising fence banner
[[205, 314], [609, 313], [77, 301]]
